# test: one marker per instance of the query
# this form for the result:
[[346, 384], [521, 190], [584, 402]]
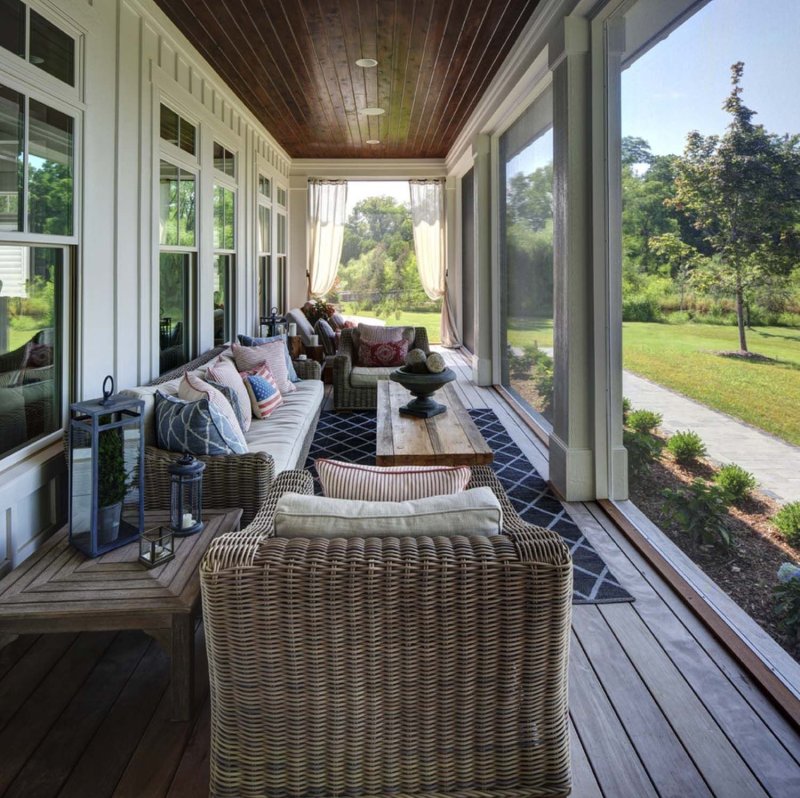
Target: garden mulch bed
[[747, 571]]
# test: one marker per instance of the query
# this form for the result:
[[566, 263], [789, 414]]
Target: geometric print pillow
[[192, 387], [264, 393], [249, 358], [382, 353], [195, 427]]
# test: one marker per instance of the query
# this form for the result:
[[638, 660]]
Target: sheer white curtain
[[428, 216], [327, 203]]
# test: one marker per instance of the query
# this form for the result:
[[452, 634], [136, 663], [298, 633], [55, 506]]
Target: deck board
[[657, 706]]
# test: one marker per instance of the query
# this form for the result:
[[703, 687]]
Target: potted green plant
[[113, 483]]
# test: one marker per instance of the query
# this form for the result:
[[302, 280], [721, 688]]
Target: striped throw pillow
[[389, 484], [224, 371], [263, 392], [250, 358]]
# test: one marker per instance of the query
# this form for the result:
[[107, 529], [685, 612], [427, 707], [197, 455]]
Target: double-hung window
[[224, 242], [177, 188], [37, 228]]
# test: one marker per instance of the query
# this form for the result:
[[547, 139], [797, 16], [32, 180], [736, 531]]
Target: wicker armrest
[[308, 369], [231, 480]]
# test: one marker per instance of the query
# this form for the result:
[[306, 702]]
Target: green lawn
[[682, 357], [431, 321]]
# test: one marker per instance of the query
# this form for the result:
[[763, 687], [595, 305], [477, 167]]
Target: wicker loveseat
[[355, 387], [236, 480], [388, 666]]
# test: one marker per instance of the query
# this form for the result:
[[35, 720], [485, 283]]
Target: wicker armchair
[[347, 396], [236, 480], [388, 666]]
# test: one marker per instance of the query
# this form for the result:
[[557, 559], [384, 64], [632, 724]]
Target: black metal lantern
[[186, 495], [275, 323], [106, 472], [156, 546]]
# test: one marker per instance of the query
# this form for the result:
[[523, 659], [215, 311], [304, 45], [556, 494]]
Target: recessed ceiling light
[[366, 62], [373, 141], [372, 111]]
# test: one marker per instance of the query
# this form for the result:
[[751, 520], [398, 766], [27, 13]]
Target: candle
[[314, 340], [292, 329], [188, 521]]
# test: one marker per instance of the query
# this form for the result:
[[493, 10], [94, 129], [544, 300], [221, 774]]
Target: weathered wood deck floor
[[657, 707]]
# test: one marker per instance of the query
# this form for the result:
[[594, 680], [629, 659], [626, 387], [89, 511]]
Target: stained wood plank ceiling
[[292, 62]]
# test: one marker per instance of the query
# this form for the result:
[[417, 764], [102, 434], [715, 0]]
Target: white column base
[[481, 371], [571, 471]]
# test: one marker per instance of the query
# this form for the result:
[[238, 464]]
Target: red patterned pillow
[[382, 353]]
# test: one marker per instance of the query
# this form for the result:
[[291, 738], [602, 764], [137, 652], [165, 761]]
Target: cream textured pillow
[[389, 484], [223, 371], [249, 358], [472, 512], [193, 389]]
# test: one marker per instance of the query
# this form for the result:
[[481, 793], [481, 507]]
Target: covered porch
[[658, 706]]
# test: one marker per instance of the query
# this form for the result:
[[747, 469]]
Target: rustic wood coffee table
[[450, 438], [59, 589]]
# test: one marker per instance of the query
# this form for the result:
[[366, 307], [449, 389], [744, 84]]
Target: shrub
[[644, 420], [787, 520], [686, 447], [787, 598], [627, 406], [640, 308], [700, 511], [735, 481], [643, 450]]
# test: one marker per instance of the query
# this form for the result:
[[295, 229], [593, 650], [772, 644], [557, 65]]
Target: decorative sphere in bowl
[[416, 360]]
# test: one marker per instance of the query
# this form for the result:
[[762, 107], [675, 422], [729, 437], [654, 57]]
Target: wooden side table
[[59, 589], [316, 353]]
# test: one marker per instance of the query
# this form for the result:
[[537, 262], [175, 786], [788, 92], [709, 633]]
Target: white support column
[[611, 459], [572, 438], [453, 282], [482, 223], [297, 256]]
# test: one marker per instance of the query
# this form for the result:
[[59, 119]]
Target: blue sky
[[680, 84]]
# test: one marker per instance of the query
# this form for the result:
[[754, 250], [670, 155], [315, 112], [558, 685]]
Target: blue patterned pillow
[[246, 340], [194, 427]]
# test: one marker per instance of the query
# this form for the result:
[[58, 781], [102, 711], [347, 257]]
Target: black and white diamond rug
[[351, 437]]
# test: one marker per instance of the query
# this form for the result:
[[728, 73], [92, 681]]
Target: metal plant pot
[[108, 519]]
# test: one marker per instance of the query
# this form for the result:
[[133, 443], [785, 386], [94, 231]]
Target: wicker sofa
[[409, 666], [355, 387], [239, 480]]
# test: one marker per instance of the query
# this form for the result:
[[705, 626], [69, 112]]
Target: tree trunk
[[740, 319]]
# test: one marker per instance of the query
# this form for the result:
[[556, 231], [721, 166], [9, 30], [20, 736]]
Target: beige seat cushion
[[472, 512], [367, 377], [283, 432]]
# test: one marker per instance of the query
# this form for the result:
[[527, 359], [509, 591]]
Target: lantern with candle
[[275, 323], [186, 495]]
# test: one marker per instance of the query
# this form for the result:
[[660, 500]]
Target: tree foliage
[[378, 268], [742, 192]]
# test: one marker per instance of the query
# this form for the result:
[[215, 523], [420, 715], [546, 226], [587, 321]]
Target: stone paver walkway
[[774, 463]]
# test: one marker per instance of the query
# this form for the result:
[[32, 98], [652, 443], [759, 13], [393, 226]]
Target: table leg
[[182, 666]]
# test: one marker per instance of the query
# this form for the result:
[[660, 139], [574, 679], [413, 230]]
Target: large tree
[[742, 191]]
